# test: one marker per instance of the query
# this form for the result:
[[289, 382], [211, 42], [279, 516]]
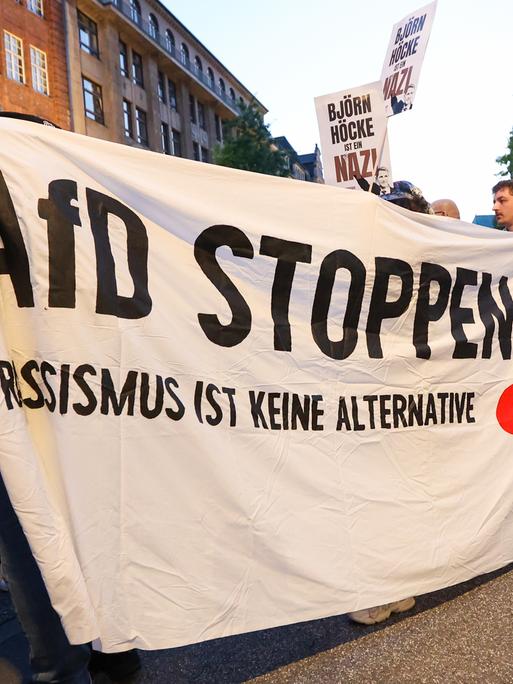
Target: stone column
[[112, 89], [211, 129], [151, 85], [76, 98], [185, 118]]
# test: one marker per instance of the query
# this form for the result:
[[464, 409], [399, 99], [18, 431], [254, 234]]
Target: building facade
[[127, 71], [139, 76], [33, 72], [305, 167], [312, 165]]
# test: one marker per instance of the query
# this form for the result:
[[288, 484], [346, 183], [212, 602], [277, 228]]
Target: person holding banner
[[503, 204], [407, 195], [53, 658]]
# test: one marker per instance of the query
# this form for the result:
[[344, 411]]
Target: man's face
[[408, 95], [503, 208], [383, 178]]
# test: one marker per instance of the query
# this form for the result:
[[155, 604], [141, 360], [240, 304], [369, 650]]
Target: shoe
[[121, 668], [371, 616]]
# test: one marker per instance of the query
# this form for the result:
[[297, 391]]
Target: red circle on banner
[[505, 410]]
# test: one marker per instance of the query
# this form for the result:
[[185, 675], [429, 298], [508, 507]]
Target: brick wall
[[45, 33]]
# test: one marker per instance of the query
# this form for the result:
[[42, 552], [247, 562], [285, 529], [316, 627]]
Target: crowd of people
[[53, 658]]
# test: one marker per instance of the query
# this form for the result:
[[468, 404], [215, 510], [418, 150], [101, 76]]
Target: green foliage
[[506, 160], [248, 145]]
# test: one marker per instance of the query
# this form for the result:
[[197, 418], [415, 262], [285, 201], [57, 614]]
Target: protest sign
[[231, 401], [352, 128], [404, 57]]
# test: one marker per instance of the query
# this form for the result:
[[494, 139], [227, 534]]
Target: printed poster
[[353, 133], [403, 60]]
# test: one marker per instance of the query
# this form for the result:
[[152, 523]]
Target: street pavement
[[468, 640], [463, 634]]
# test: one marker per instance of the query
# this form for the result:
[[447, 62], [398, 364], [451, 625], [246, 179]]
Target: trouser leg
[[53, 659]]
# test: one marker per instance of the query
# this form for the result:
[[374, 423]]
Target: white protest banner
[[404, 57], [232, 401], [353, 133]]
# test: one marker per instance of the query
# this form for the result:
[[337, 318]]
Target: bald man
[[445, 207]]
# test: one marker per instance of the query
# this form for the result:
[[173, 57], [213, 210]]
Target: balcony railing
[[128, 11]]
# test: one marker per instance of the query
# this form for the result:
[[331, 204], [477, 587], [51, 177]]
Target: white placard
[[352, 128], [404, 57]]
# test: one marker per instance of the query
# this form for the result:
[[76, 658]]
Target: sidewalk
[[451, 637], [466, 640]]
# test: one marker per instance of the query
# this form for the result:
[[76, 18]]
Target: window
[[137, 69], [35, 6], [39, 70], [202, 119], [218, 127], [210, 76], [204, 154], [135, 11], [127, 119], [298, 173], [164, 137], [196, 151], [184, 54], [88, 34], [141, 126], [123, 59], [177, 143], [153, 26], [198, 66], [170, 41], [14, 57], [192, 108], [232, 95], [93, 102], [161, 87], [171, 87], [222, 87]]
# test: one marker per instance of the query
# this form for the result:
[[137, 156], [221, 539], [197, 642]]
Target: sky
[[286, 52]]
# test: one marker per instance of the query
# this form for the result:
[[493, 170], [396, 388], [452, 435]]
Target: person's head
[[503, 203], [445, 207], [409, 93], [407, 195], [383, 178]]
